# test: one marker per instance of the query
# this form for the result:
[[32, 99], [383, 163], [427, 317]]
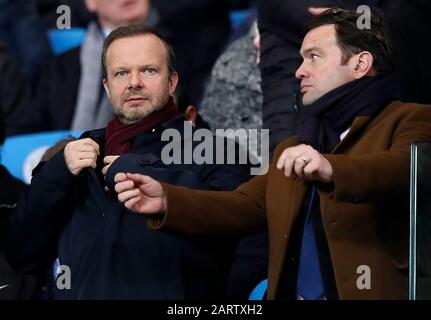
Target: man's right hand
[[80, 154], [139, 193]]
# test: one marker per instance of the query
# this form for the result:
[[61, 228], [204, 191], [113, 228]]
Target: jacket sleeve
[[230, 213], [40, 215], [381, 175], [206, 176], [206, 213], [152, 166]]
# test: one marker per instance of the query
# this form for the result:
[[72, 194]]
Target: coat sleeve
[[230, 213], [381, 175], [196, 212], [40, 215]]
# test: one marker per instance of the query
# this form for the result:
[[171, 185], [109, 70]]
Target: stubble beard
[[139, 114]]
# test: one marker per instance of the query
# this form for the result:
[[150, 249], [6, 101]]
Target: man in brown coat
[[336, 196]]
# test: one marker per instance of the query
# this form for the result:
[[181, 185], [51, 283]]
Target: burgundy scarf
[[119, 137]]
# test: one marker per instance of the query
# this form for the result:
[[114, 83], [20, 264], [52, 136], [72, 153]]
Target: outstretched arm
[[194, 212]]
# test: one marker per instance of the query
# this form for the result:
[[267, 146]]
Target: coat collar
[[359, 123]]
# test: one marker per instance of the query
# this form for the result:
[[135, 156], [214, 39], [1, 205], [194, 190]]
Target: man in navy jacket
[[70, 211]]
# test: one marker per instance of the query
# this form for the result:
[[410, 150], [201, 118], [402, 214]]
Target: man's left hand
[[306, 163], [108, 160]]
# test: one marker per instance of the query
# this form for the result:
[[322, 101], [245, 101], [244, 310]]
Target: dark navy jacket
[[110, 251]]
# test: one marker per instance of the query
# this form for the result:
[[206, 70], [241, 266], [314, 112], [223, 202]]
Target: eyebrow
[[119, 67], [309, 50], [124, 67]]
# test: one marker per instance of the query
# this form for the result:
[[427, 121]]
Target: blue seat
[[66, 39], [238, 16], [259, 291], [22, 153]]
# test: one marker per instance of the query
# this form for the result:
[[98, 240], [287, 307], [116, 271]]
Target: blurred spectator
[[233, 97], [13, 285], [190, 111], [244, 26], [15, 94], [71, 95], [23, 33], [282, 25], [198, 31]]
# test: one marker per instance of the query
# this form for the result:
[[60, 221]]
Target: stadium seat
[[22, 153], [259, 291], [238, 16], [66, 39]]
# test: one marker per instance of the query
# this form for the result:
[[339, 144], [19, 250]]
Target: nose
[[301, 72], [135, 80]]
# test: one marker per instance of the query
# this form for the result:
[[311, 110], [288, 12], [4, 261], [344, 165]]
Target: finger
[[316, 11], [78, 165], [105, 169], [289, 166], [131, 202], [86, 163], [85, 147], [140, 178], [299, 166], [121, 176], [129, 194], [124, 186], [281, 159], [310, 171], [91, 142], [286, 155], [86, 155], [109, 159]]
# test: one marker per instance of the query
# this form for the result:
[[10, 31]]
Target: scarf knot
[[119, 137]]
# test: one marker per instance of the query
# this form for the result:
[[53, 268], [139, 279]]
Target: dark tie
[[309, 283]]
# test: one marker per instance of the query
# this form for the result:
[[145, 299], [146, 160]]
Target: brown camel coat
[[365, 212]]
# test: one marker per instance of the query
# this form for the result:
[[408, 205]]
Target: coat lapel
[[358, 124]]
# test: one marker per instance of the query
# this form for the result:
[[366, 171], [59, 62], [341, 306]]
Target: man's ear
[[173, 81], [362, 65], [106, 86], [190, 114]]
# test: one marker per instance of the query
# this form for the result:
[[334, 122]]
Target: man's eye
[[313, 56], [150, 70], [121, 74]]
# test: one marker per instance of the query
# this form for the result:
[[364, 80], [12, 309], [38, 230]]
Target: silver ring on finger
[[304, 160]]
